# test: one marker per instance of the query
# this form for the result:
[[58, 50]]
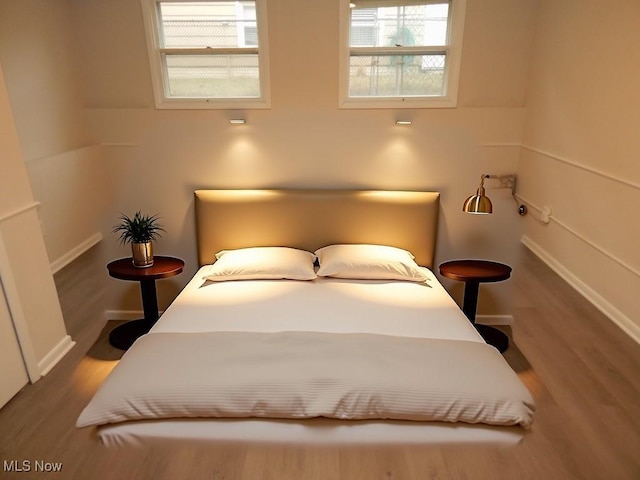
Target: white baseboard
[[55, 355], [75, 252], [494, 319], [625, 323]]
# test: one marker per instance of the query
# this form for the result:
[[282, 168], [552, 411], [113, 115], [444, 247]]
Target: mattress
[[395, 308]]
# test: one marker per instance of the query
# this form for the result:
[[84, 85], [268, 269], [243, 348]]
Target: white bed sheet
[[406, 309], [323, 305]]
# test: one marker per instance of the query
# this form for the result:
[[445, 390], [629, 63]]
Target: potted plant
[[140, 231]]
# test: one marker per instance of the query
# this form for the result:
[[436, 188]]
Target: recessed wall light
[[237, 121], [403, 122]]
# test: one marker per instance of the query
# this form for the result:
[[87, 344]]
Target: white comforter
[[326, 348], [307, 375]]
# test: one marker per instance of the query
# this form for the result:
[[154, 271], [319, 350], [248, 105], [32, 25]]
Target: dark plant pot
[[142, 254]]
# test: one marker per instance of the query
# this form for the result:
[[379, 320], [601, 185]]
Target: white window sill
[[398, 102], [212, 104]]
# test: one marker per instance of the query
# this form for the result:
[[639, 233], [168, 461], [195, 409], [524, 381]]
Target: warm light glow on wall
[[395, 163], [239, 163], [241, 147], [398, 149]]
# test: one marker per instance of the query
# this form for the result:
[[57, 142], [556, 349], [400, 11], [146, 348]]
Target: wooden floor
[[583, 372]]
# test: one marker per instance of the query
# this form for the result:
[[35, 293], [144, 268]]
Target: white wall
[[582, 155]]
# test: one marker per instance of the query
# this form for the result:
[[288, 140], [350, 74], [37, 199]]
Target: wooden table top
[[163, 267], [475, 271]]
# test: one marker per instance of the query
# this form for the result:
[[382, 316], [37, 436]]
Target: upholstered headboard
[[310, 219]]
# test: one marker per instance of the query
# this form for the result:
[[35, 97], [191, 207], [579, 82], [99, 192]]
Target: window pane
[[419, 25], [208, 24], [396, 75], [213, 76]]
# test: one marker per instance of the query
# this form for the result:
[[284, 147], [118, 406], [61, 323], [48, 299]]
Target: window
[[400, 53], [208, 54]]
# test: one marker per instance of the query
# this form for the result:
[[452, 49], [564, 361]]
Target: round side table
[[124, 335], [472, 273]]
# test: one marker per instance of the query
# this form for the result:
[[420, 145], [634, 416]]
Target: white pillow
[[369, 262], [262, 263]]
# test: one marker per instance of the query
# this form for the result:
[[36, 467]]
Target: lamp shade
[[478, 203]]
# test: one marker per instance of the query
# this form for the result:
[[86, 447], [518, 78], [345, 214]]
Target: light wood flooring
[[581, 369]]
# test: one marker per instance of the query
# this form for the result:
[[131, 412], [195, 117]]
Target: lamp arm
[[508, 181]]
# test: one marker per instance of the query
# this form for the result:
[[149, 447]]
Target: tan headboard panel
[[310, 219]]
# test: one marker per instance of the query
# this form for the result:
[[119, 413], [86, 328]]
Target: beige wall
[[78, 81], [67, 173], [24, 268], [582, 143], [80, 89], [304, 140], [37, 54]]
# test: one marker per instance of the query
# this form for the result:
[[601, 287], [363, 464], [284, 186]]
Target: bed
[[339, 349]]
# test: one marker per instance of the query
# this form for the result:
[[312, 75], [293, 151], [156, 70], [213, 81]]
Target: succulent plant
[[139, 228]]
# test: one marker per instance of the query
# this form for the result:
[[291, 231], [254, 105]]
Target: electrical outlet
[[545, 216]]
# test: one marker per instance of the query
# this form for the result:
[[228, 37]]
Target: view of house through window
[[396, 53], [208, 49], [401, 49], [392, 73]]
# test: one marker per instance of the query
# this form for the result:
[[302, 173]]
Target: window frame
[[452, 50], [157, 66]]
